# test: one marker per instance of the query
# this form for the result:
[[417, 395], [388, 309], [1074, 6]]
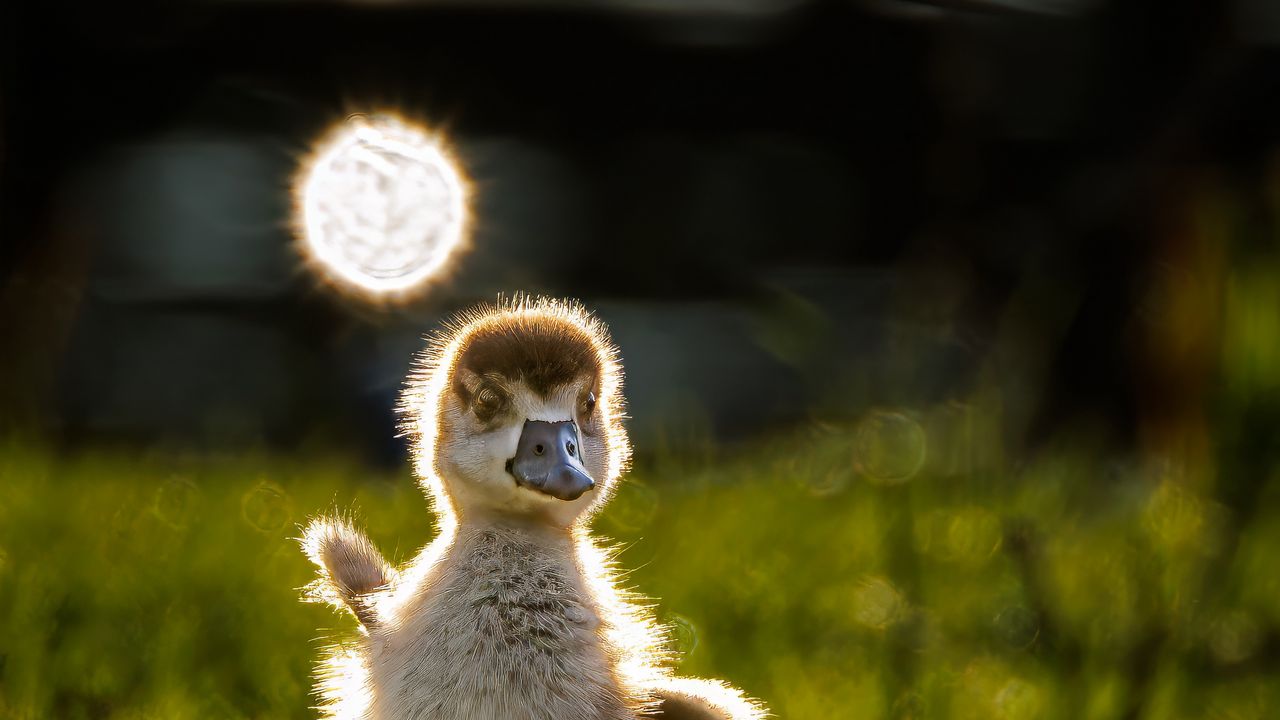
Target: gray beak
[[549, 459]]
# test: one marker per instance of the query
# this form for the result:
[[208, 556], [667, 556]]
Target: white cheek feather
[[500, 444]]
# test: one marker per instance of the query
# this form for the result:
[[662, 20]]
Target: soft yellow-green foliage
[[166, 587]]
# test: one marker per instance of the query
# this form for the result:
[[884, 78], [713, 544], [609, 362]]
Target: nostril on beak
[[570, 447], [538, 449]]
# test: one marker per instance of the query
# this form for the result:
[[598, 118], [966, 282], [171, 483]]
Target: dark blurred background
[[784, 208]]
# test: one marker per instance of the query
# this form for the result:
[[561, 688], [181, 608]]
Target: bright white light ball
[[382, 207]]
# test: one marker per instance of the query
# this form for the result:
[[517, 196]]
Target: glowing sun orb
[[382, 207]]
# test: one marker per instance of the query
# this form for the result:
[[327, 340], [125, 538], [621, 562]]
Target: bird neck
[[535, 529]]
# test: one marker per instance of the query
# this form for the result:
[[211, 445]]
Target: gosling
[[513, 612]]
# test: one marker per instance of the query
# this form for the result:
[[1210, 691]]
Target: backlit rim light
[[371, 140]]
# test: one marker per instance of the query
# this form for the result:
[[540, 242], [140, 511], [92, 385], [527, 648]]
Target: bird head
[[515, 412]]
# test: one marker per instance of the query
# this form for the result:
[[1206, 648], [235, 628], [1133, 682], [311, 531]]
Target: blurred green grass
[[834, 572]]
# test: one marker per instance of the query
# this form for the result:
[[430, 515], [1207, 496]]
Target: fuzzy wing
[[695, 699], [350, 566]]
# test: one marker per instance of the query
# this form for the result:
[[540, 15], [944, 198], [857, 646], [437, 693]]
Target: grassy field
[[902, 584]]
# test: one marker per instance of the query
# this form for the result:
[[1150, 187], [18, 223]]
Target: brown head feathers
[[544, 352]]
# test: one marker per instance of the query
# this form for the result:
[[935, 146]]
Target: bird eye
[[589, 404], [488, 402]]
